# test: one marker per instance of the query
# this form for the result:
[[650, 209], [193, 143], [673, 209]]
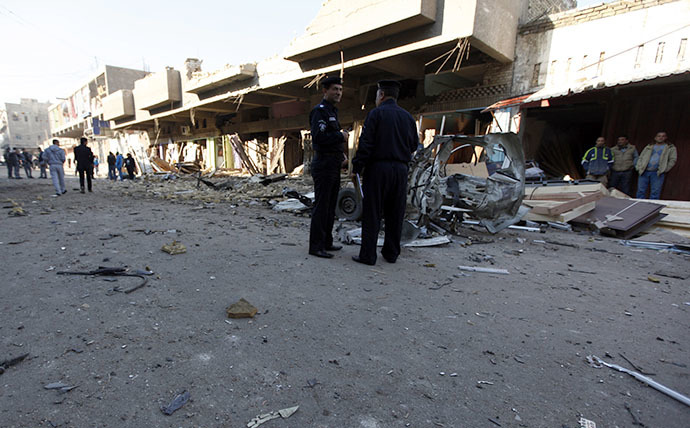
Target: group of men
[[388, 140], [115, 164], [16, 159], [613, 167], [55, 158]]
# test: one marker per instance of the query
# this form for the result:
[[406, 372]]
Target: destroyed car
[[449, 178]]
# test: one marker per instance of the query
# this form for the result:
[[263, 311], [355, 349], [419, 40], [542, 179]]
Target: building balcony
[[118, 105], [157, 89], [203, 82]]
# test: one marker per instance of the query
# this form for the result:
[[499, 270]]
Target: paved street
[[414, 344]]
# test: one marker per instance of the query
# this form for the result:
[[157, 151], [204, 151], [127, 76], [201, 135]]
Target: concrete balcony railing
[[203, 82], [118, 105], [157, 89]]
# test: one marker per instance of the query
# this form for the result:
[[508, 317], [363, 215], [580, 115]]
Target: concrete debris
[[483, 270], [60, 386], [354, 237], [586, 423], [265, 417], [177, 402], [598, 363], [4, 365], [241, 309], [174, 248], [290, 205]]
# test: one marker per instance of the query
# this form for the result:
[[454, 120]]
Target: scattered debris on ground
[[174, 248], [176, 403], [241, 309]]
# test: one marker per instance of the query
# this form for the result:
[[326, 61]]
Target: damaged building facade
[[81, 114], [621, 68], [447, 55], [24, 125], [550, 74]]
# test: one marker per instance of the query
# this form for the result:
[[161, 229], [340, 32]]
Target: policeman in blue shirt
[[328, 141], [388, 139]]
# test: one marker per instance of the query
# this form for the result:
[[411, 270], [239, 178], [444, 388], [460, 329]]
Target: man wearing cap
[[328, 141], [388, 139]]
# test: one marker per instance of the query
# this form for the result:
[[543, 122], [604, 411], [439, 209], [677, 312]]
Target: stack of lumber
[[677, 218], [561, 203]]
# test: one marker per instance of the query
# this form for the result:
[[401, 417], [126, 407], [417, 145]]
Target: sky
[[50, 48]]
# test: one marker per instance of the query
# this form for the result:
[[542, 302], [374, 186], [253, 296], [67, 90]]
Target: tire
[[349, 206]]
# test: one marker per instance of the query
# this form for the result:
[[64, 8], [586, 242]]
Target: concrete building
[[447, 54], [25, 125], [609, 70], [82, 115]]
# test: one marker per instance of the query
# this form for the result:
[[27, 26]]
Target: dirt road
[[413, 344]]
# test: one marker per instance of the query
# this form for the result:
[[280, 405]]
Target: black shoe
[[82, 191], [321, 253], [64, 191], [90, 190], [358, 260], [334, 247]]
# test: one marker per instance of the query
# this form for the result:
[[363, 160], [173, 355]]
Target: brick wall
[[573, 17]]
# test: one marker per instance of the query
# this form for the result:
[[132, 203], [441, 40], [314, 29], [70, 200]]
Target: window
[[36, 118], [681, 49], [26, 118], [659, 52], [638, 57], [18, 137], [535, 74], [15, 117]]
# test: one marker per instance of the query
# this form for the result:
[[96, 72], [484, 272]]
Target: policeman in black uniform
[[84, 158], [388, 139], [328, 141]]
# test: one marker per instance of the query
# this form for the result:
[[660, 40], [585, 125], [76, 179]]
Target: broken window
[[535, 74]]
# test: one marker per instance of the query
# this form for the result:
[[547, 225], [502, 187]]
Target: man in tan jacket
[[655, 161], [624, 160]]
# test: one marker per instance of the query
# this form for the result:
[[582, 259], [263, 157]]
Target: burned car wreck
[[435, 192], [439, 194]]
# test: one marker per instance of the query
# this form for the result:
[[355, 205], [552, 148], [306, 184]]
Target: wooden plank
[[554, 208], [530, 192], [564, 217], [682, 205]]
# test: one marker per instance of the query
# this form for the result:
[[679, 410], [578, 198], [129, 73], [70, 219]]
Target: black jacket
[[325, 129], [111, 160], [389, 134], [83, 156]]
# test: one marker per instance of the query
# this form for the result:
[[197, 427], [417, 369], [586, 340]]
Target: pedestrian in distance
[[654, 162], [389, 138], [130, 166], [111, 166], [15, 160], [597, 162], [42, 164], [55, 157], [95, 165], [83, 156], [8, 162], [328, 141], [27, 162], [119, 161]]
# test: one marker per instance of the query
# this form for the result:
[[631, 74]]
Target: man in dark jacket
[[130, 166], [83, 156], [27, 162], [111, 167], [328, 141], [14, 161], [42, 163], [388, 139]]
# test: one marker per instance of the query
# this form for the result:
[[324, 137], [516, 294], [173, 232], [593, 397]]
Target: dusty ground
[[412, 344]]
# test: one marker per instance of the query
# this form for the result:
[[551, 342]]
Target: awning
[[510, 102]]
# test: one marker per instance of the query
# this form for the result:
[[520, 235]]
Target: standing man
[[55, 157], [83, 156], [27, 160], [655, 161], [597, 161], [111, 166], [8, 161], [42, 163], [388, 139], [119, 161], [624, 160], [16, 159], [328, 141], [130, 166]]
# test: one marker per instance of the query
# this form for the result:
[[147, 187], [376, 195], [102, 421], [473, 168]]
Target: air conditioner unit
[[186, 130]]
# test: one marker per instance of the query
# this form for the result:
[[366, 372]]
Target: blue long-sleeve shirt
[[118, 161]]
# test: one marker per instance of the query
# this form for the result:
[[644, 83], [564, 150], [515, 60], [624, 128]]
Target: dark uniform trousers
[[325, 169], [385, 192], [88, 171]]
